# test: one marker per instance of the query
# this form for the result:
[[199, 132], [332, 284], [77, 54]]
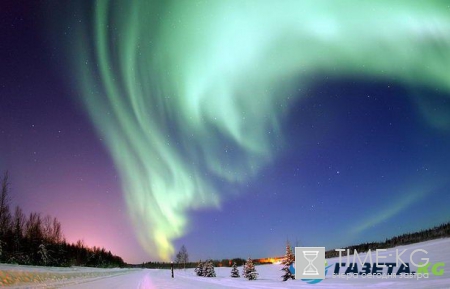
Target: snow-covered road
[[148, 279]]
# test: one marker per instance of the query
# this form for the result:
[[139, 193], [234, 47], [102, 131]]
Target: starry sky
[[227, 126]]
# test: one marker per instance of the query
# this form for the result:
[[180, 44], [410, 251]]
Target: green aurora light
[[168, 85]]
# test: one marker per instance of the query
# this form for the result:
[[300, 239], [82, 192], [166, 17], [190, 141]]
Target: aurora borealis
[[205, 105]]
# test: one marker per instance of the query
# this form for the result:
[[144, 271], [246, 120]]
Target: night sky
[[227, 127]]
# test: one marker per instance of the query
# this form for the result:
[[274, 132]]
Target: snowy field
[[14, 276]]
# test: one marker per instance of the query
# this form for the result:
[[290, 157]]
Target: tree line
[[180, 265], [436, 232], [38, 240]]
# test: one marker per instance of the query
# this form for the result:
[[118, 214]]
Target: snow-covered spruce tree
[[250, 270], [208, 269], [235, 271], [289, 258], [244, 269], [199, 269], [43, 253]]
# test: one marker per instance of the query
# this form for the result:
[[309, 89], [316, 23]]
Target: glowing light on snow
[[186, 93]]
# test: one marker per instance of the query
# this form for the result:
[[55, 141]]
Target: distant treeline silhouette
[[38, 240], [437, 232], [167, 265]]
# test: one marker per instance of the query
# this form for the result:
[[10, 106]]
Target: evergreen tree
[[208, 270], [235, 271], [19, 221], [199, 269], [289, 258], [43, 253], [250, 270], [5, 217]]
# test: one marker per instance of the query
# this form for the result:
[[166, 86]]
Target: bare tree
[[47, 229], [33, 228], [57, 233], [182, 257]]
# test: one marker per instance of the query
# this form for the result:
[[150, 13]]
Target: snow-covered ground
[[269, 275]]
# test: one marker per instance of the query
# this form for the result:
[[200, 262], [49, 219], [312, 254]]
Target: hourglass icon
[[310, 269]]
